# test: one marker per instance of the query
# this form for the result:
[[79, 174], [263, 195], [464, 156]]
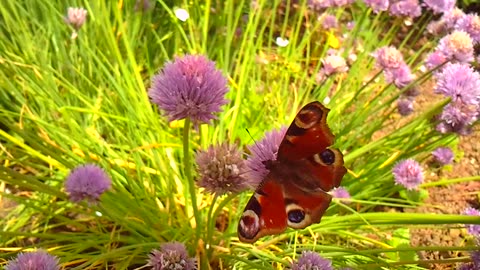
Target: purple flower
[[172, 255], [443, 155], [400, 77], [457, 46], [408, 173], [437, 28], [189, 87], [408, 8], [451, 18], [310, 260], [459, 115], [222, 169], [334, 64], [329, 21], [459, 82], [435, 59], [341, 3], [87, 182], [472, 229], [142, 5], [319, 4], [470, 23], [341, 193], [440, 6], [262, 151], [76, 17], [377, 5], [38, 260], [475, 255], [388, 57], [404, 106]]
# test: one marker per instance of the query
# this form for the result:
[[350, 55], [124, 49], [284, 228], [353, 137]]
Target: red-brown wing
[[277, 204], [309, 138], [294, 192], [308, 134]]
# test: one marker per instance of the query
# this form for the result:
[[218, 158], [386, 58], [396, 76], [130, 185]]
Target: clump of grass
[[71, 100]]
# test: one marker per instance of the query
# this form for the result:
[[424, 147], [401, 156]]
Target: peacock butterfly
[[294, 193]]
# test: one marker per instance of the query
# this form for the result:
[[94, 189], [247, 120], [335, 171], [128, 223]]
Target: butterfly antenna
[[251, 137]]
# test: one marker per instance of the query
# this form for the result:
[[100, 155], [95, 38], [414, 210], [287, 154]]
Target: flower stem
[[187, 163]]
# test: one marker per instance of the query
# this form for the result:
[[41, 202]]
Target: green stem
[[187, 163]]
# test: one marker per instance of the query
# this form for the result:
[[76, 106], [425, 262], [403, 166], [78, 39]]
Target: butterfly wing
[[294, 192]]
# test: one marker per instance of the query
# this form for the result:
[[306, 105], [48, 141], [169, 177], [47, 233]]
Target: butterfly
[[294, 192]]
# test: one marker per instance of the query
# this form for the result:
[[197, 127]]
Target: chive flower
[[171, 255], [460, 82], [378, 5], [388, 57], [472, 229], [457, 46], [87, 182], [341, 193], [310, 260], [261, 152], [406, 8], [440, 6], [76, 17], [405, 106], [443, 155], [189, 87], [470, 23], [408, 173], [222, 169], [37, 260]]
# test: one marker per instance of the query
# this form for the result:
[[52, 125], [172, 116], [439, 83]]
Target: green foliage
[[66, 102]]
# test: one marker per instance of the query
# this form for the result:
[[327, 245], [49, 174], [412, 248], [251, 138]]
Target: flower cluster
[[222, 169], [341, 193], [189, 87], [310, 260], [87, 182], [408, 173], [396, 71], [473, 229], [377, 5], [406, 8], [460, 83], [76, 17], [261, 152], [443, 155], [39, 259], [440, 6], [172, 255]]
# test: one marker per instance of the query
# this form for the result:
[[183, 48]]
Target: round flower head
[[222, 169], [457, 46], [329, 21], [171, 256], [443, 155], [341, 193], [310, 260], [38, 260], [470, 23], [261, 152], [435, 59], [334, 64], [408, 173], [451, 18], [473, 229], [190, 86], [388, 57], [319, 4], [378, 5], [459, 82], [87, 182], [459, 115], [76, 17], [407, 8], [440, 6], [404, 106], [400, 77]]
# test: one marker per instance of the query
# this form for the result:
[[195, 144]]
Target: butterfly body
[[294, 193]]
